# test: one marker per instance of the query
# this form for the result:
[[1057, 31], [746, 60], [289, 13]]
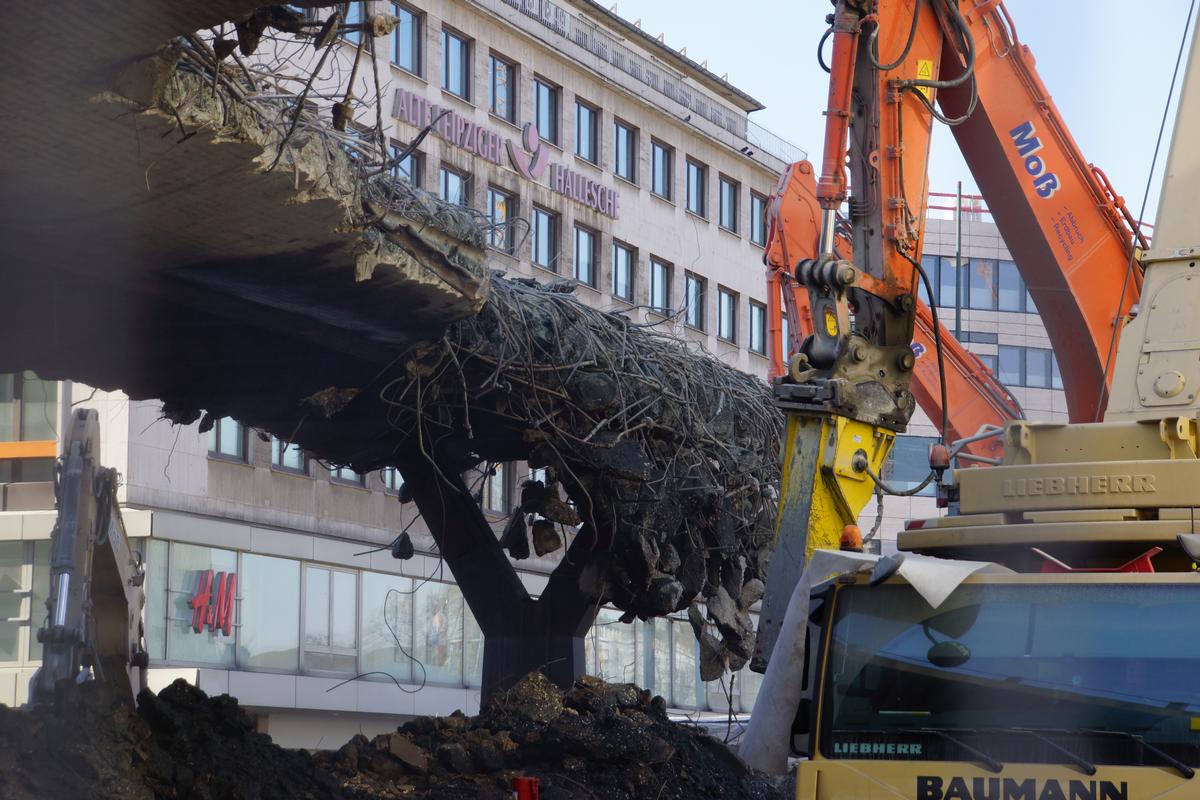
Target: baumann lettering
[[932, 787], [1056, 485]]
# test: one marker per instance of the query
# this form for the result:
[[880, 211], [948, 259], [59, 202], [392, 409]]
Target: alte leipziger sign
[[528, 156]]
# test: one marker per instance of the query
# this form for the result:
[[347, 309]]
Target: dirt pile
[[597, 740], [179, 744]]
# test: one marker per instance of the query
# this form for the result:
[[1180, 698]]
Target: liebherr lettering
[[1078, 484], [932, 787], [1025, 139]]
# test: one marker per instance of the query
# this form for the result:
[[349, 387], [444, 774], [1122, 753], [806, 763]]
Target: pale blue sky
[[1106, 63]]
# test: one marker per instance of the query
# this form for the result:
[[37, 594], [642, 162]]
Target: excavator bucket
[[821, 493]]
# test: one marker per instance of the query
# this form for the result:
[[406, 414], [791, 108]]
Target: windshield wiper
[[1164, 756], [992, 764], [1076, 759]]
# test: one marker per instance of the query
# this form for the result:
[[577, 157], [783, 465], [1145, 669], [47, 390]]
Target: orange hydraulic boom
[[845, 251]]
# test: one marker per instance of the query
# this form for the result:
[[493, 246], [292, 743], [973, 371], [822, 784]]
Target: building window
[[946, 282], [545, 110], [693, 297], [330, 620], [346, 475], [406, 39], [611, 647], [989, 361], [227, 438], [587, 132], [730, 191], [24, 587], [1011, 289], [28, 408], [456, 64], [192, 573], [697, 181], [1038, 371], [660, 286], [353, 13], [1010, 359], [386, 628], [501, 207], [908, 463], [625, 151], [758, 219], [727, 315], [544, 238], [393, 481], [269, 592], [502, 82], [983, 283], [622, 271], [28, 413], [438, 632], [454, 187], [407, 168], [288, 456], [662, 159], [585, 255], [495, 489], [758, 328]]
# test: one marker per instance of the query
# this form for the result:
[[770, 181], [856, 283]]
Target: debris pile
[[179, 744], [669, 455], [597, 740]]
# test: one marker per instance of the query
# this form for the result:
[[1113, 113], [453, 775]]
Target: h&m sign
[[214, 609]]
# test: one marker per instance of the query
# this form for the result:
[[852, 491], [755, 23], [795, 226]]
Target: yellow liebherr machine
[[1040, 644]]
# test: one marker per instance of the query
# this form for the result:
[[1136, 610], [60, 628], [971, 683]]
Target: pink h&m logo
[[532, 163], [215, 611]]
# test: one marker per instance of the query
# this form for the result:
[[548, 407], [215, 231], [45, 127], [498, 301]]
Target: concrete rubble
[[667, 454], [595, 740]]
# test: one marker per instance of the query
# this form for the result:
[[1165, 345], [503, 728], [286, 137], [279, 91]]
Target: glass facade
[[502, 82], [758, 328], [758, 219], [406, 39], [456, 64], [438, 632], [587, 120], [545, 110], [728, 217], [288, 456], [387, 625], [585, 255], [662, 158], [263, 642], [227, 438], [697, 188], [188, 570], [454, 187], [501, 209], [622, 271], [727, 315], [625, 151], [543, 238], [294, 617], [693, 288]]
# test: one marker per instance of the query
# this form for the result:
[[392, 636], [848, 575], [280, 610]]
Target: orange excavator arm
[[976, 400], [896, 67]]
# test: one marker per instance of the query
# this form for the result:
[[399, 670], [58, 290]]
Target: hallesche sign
[[527, 156]]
